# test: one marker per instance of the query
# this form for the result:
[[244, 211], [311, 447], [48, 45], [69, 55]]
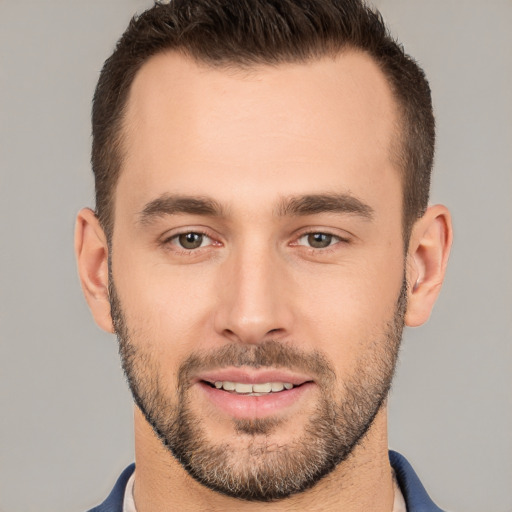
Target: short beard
[[263, 471]]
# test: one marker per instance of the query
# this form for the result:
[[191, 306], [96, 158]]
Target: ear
[[91, 251], [429, 248]]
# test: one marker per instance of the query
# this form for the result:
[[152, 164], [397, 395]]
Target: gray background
[[65, 421]]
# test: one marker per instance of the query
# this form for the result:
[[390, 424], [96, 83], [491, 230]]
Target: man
[[261, 236]]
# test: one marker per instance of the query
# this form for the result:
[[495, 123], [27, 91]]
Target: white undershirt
[[129, 503]]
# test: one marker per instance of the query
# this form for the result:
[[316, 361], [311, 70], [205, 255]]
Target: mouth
[[255, 394]]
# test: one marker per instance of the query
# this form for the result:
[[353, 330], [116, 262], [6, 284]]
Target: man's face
[[257, 266]]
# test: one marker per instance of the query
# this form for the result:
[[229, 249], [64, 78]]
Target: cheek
[[350, 307], [166, 309]]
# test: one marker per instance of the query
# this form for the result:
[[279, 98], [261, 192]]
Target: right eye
[[191, 240]]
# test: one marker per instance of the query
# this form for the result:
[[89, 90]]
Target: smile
[[246, 394]]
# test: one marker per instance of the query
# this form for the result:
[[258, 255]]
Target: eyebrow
[[309, 204], [325, 203], [178, 204]]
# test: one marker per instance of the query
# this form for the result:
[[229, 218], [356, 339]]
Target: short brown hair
[[245, 33]]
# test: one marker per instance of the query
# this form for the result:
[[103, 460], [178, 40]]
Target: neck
[[362, 482]]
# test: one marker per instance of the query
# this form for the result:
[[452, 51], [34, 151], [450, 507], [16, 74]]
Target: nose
[[255, 298]]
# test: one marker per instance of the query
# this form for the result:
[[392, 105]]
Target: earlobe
[[91, 249], [429, 249]]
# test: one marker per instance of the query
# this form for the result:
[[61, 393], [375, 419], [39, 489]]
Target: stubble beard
[[263, 470]]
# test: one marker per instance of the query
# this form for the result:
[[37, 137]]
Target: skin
[[249, 141]]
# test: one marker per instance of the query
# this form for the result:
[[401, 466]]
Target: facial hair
[[262, 471]]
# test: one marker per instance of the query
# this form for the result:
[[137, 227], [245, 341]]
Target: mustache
[[269, 354]]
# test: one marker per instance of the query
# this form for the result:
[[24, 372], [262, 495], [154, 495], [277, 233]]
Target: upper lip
[[253, 376]]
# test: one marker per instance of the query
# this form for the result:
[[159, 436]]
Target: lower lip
[[253, 407]]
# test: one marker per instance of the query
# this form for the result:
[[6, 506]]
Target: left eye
[[191, 240], [318, 240]]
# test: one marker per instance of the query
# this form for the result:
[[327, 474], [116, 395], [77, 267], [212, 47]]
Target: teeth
[[242, 388]]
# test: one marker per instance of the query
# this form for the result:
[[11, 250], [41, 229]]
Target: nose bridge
[[253, 297]]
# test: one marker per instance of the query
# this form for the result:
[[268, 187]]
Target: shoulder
[[415, 495], [114, 501]]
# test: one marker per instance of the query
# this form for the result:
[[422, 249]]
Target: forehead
[[190, 126]]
